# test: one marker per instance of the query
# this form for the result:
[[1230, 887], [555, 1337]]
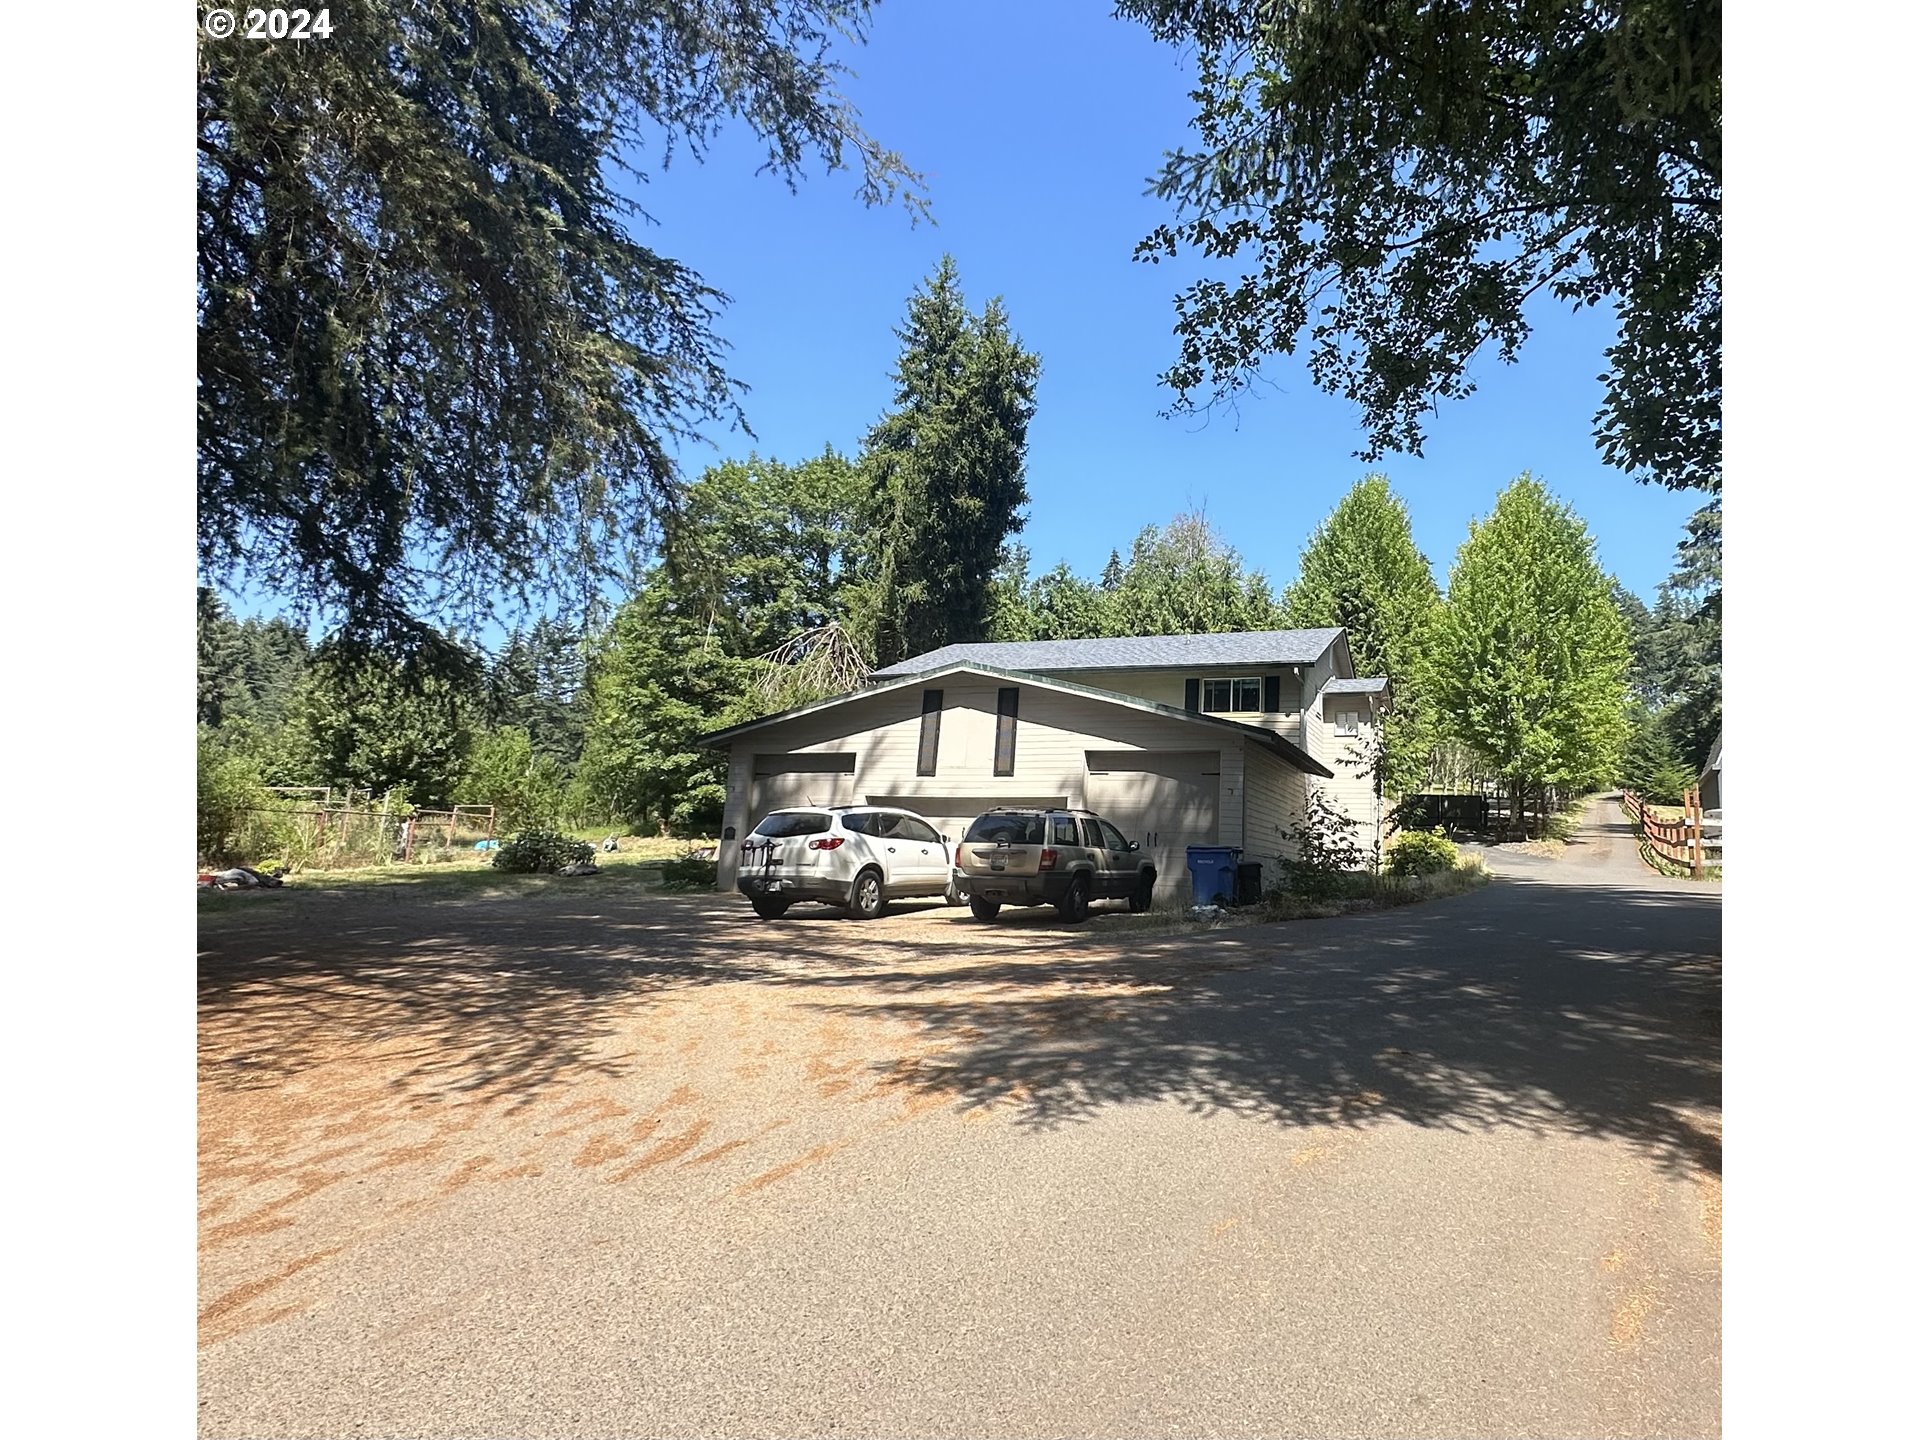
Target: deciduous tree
[[1529, 662], [1363, 572], [1392, 181]]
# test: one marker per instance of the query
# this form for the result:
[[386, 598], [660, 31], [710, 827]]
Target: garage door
[[782, 781], [1164, 799], [952, 814]]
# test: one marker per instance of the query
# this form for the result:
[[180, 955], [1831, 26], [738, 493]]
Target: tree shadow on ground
[[1590, 1010], [474, 997], [1550, 1007]]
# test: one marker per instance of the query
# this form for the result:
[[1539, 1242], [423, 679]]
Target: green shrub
[[1327, 850], [1421, 852], [689, 871], [540, 852]]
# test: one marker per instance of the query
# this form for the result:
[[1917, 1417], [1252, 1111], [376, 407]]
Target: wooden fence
[[1683, 842]]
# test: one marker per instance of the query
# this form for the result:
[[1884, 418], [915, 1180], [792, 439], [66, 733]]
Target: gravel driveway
[[593, 1161]]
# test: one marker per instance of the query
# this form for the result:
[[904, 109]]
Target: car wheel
[[953, 894], [869, 896], [770, 909], [1141, 899], [985, 909], [1073, 905]]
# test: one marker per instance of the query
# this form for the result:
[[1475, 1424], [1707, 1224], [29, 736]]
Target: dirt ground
[[507, 1155], [366, 1054]]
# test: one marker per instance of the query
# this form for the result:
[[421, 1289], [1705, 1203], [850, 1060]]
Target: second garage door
[[1164, 799]]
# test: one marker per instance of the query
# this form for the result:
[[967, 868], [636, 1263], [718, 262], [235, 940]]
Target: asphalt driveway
[[592, 1162]]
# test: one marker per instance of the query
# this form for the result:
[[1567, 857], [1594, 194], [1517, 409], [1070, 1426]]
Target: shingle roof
[[1366, 686], [1137, 652]]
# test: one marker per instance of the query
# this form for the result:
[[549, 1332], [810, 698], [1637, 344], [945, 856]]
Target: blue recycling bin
[[1212, 869]]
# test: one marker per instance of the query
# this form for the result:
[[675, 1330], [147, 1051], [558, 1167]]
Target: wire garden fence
[[314, 829]]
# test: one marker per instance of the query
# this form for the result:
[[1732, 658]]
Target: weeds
[[1345, 894]]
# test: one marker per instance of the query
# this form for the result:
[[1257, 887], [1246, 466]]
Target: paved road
[[1448, 1170]]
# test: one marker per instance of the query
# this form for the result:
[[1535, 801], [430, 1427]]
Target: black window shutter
[[1193, 695], [930, 703], [1003, 735], [1270, 702]]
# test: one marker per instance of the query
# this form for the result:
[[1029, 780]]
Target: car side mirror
[[946, 840]]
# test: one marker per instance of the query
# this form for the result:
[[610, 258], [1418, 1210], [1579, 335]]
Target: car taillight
[[959, 854], [1049, 858], [831, 842]]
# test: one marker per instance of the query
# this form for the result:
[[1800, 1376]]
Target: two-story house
[[1177, 739]]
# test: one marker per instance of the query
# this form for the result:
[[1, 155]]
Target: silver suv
[[1064, 858], [856, 856]]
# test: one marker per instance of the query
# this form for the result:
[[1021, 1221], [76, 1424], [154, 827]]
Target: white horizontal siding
[[1055, 732], [1169, 687], [1276, 798], [1351, 788]]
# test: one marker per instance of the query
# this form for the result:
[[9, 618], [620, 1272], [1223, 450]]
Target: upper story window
[[1346, 722], [1226, 696]]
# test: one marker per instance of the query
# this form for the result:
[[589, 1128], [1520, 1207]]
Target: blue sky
[[1037, 127]]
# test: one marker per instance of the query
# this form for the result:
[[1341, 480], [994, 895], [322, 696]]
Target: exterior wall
[[1169, 687], [1050, 753], [1352, 786], [733, 816], [1276, 798]]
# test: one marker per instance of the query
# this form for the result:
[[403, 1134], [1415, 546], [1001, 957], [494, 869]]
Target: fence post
[[1697, 838]]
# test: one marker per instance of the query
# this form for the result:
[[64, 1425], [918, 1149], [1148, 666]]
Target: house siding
[[1276, 797], [1169, 687], [1055, 732]]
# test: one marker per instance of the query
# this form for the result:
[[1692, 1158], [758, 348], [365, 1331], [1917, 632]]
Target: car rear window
[[792, 822], [1014, 829]]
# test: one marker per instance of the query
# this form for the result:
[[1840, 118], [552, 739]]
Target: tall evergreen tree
[[1065, 607], [1688, 639], [1010, 615], [358, 720], [221, 653], [1529, 662], [661, 680], [1643, 668], [1363, 572], [948, 465]]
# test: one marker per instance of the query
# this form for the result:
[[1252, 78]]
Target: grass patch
[[1346, 895], [469, 873], [1672, 869], [1350, 894]]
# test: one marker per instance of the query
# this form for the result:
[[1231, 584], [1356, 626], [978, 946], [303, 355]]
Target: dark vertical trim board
[[930, 703], [1004, 727]]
